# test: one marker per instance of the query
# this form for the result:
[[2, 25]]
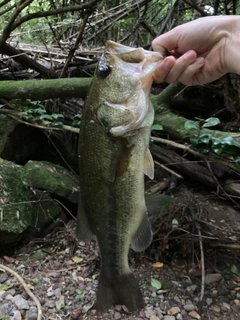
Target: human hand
[[201, 51]]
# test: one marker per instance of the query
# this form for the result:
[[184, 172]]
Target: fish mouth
[[140, 64], [143, 61]]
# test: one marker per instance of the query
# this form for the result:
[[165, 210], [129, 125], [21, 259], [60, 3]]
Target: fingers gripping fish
[[113, 158]]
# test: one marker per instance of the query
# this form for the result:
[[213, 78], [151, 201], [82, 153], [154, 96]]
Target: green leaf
[[237, 160], [205, 138], [156, 284], [45, 117], [215, 141], [210, 122], [217, 149], [39, 111], [227, 140], [194, 140], [236, 143], [27, 116], [76, 122], [56, 124], [74, 276], [174, 223], [234, 269], [32, 102], [204, 150], [157, 127], [189, 124], [78, 116], [232, 150], [4, 287], [35, 280], [57, 116]]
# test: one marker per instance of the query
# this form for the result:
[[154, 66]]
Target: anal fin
[[143, 237], [83, 231], [148, 166]]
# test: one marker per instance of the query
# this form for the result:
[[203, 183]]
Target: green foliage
[[234, 269], [237, 161], [76, 120], [174, 223], [116, 20], [35, 281], [221, 145], [156, 284], [157, 127], [64, 307], [210, 122], [80, 294], [4, 287], [123, 23], [208, 143], [35, 110], [189, 124]]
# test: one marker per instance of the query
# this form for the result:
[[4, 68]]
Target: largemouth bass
[[113, 158]]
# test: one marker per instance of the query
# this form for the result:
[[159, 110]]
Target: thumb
[[167, 41]]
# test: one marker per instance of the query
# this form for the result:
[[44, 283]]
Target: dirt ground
[[198, 269]]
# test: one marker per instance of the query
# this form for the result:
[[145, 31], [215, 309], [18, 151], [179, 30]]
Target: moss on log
[[44, 89]]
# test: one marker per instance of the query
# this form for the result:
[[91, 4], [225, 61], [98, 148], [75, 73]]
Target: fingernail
[[169, 62], [190, 55]]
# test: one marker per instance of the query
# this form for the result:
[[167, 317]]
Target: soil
[[63, 273]]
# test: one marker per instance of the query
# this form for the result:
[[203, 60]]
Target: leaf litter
[[64, 279]]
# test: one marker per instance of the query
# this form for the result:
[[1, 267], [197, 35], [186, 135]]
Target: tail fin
[[122, 291]]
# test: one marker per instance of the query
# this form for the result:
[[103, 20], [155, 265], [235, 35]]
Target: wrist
[[232, 49]]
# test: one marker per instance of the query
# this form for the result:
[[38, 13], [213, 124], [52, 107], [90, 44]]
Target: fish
[[113, 158]]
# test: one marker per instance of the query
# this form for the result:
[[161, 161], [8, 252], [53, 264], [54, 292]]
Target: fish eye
[[104, 71]]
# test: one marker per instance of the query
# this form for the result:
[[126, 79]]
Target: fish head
[[123, 78]]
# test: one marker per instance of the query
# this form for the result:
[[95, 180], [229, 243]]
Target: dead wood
[[190, 169], [27, 62], [198, 173]]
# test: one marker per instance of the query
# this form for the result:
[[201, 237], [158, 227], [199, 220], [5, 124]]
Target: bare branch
[[8, 28], [194, 5], [79, 39], [2, 4], [7, 9], [42, 14], [119, 17]]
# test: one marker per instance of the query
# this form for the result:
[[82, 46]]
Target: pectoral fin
[[143, 236], [120, 161], [148, 166], [83, 231]]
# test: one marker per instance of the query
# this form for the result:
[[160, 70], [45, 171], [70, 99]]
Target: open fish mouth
[[140, 64]]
